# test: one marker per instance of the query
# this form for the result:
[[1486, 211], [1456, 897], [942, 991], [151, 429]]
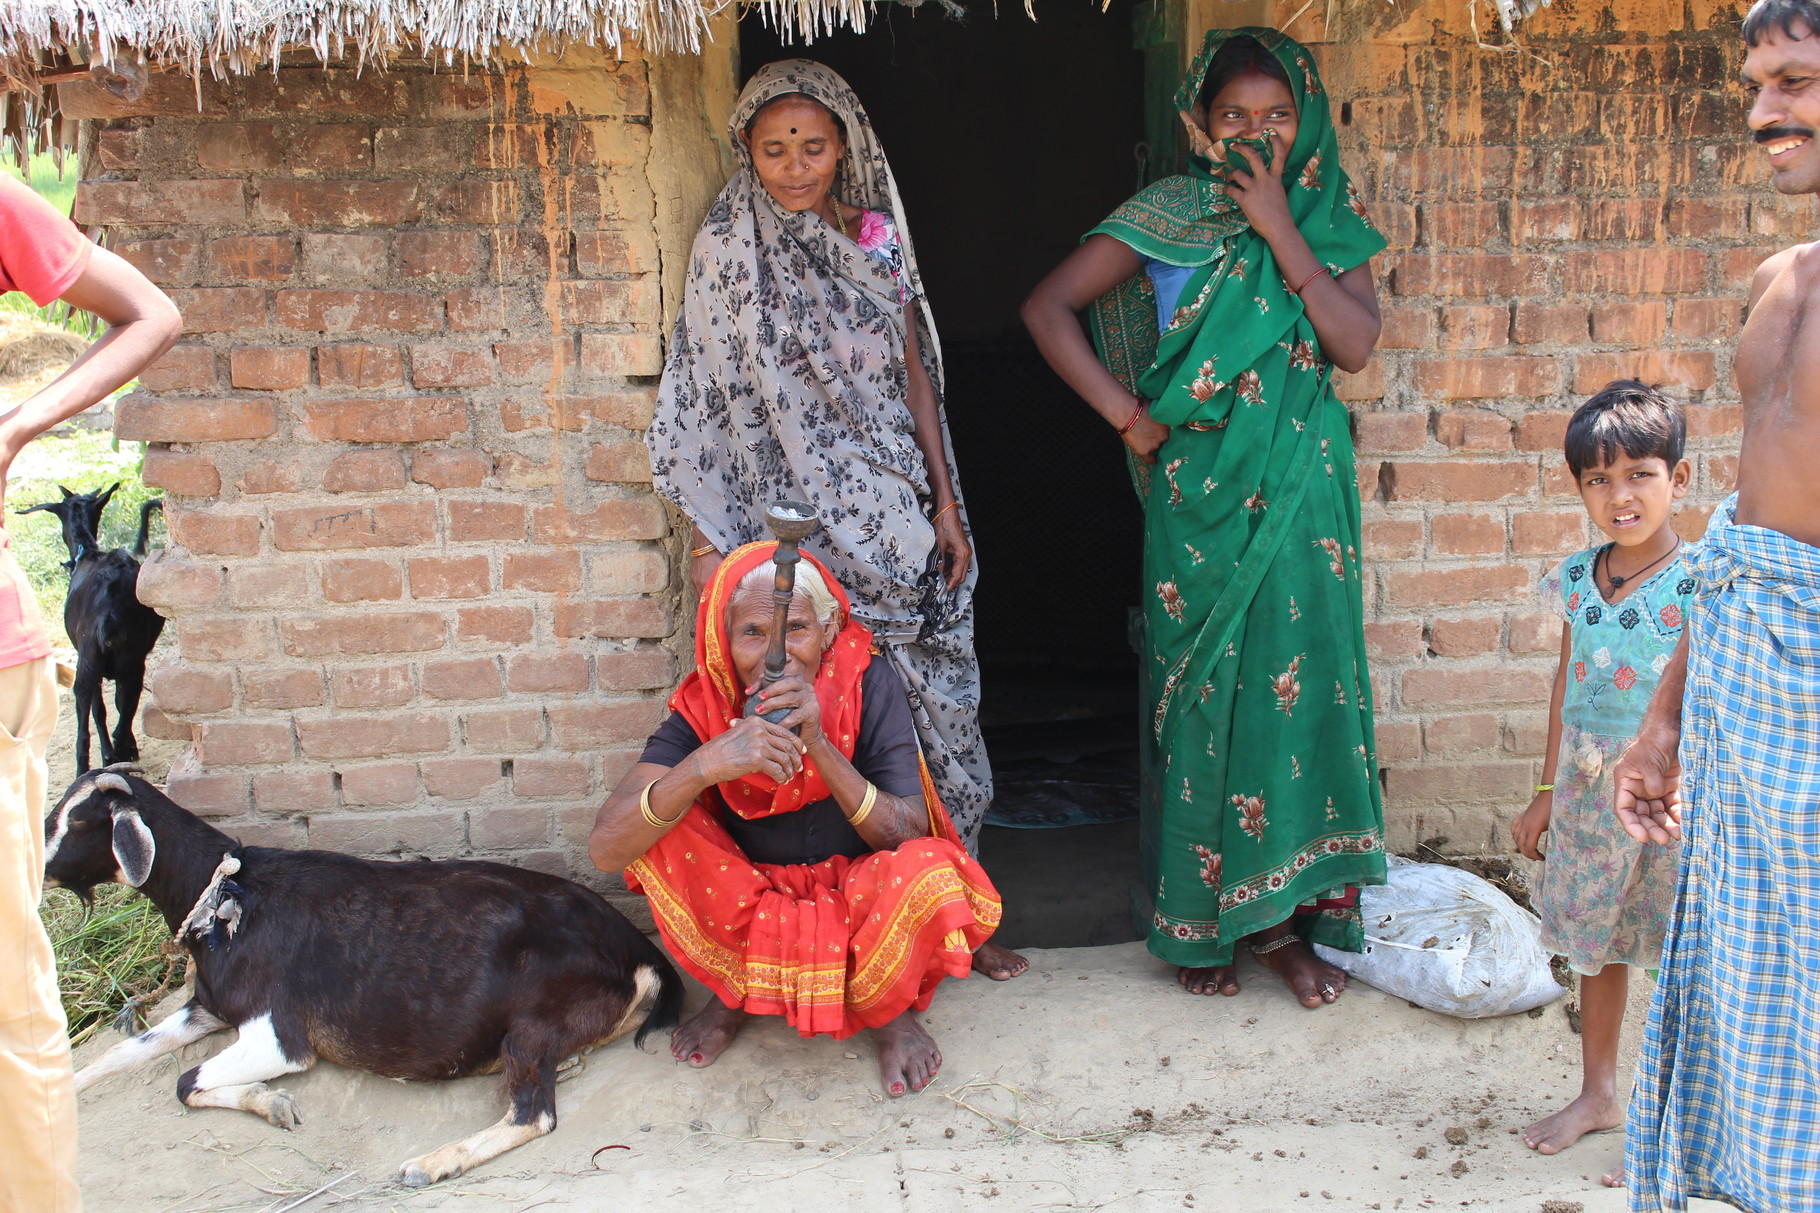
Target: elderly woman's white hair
[[809, 584]]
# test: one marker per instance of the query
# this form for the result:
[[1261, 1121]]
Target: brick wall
[[1582, 209], [421, 590]]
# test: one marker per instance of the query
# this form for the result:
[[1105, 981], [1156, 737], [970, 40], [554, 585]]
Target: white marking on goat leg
[[187, 1026], [459, 1157], [645, 985], [235, 1077]]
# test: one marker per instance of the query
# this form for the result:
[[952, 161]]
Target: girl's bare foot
[[907, 1057], [1613, 1178], [706, 1035], [1313, 981], [1000, 964], [1590, 1113], [1219, 979]]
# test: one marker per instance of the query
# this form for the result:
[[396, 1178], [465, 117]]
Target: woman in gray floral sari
[[805, 365]]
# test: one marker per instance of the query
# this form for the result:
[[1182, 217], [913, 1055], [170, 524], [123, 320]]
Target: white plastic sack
[[1449, 941]]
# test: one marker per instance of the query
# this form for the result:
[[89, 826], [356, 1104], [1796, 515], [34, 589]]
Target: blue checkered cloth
[[1727, 1101]]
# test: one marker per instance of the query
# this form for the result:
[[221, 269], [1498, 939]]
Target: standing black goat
[[112, 630], [415, 970]]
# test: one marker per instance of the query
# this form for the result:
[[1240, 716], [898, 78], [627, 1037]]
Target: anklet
[[1281, 941]]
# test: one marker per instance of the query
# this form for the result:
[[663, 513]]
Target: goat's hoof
[[570, 1066], [412, 1175], [281, 1110]]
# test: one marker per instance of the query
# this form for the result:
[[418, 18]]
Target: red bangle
[[1307, 280], [1135, 414]]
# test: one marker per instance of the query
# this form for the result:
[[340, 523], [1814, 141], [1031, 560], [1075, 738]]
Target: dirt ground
[[1091, 1082], [155, 755]]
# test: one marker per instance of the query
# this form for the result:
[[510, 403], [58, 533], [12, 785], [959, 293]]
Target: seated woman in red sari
[[811, 873]]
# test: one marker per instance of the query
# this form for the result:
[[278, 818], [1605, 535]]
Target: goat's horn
[[114, 783]]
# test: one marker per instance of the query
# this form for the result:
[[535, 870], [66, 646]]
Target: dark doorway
[[1009, 139]]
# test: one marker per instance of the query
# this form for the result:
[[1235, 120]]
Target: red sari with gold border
[[834, 946]]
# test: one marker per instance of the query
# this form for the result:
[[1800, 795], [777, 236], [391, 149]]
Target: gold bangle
[[652, 819], [707, 549], [952, 505], [865, 806], [1545, 787]]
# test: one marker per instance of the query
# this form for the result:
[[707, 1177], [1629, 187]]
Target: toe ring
[[1329, 991]]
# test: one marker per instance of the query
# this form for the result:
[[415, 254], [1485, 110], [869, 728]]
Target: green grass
[[104, 956], [84, 461], [59, 189]]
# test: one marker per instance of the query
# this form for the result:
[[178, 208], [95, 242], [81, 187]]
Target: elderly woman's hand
[[957, 553], [1260, 193], [752, 746], [796, 696]]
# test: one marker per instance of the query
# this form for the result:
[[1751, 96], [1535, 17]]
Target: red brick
[[645, 667], [437, 254], [1488, 378], [617, 518], [549, 776], [621, 354], [1465, 637], [529, 673], [519, 472], [234, 743], [380, 525], [1535, 633], [474, 308], [1721, 475], [505, 730], [379, 783], [419, 419], [435, 834], [238, 147], [450, 469], [1452, 736], [550, 572], [345, 258], [1543, 430], [450, 577], [1557, 481], [1624, 272], [364, 472], [1394, 640], [1384, 431], [1630, 324], [340, 311], [1426, 587], [1360, 386], [1546, 220], [377, 686], [169, 581], [359, 366], [186, 368], [213, 203], [220, 309], [531, 361], [184, 475], [462, 678], [1473, 430], [1687, 368], [223, 639], [1474, 327], [461, 778], [118, 148], [601, 253], [1636, 221], [495, 625], [213, 533], [357, 580], [320, 204], [620, 571], [1543, 534], [472, 202], [1545, 323], [269, 368], [593, 726], [332, 147], [1708, 319], [178, 686], [1714, 420], [1469, 225], [1472, 275], [165, 262], [1456, 480], [1471, 171], [450, 366], [622, 462], [1457, 534], [142, 418], [293, 791], [216, 794], [262, 258], [1407, 328], [503, 828], [398, 632], [612, 618], [482, 521], [1453, 784], [1738, 266], [626, 409], [1393, 538], [609, 301], [1455, 684], [279, 688], [340, 737], [1398, 741]]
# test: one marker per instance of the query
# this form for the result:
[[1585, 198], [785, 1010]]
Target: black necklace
[[1617, 581]]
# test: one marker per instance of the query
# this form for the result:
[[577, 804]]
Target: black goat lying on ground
[[423, 970], [112, 630]]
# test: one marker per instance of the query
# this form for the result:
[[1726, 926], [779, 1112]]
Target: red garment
[[834, 946], [41, 252]]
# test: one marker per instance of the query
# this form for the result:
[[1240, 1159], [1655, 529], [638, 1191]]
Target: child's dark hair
[[1236, 57], [1785, 15], [1630, 417]]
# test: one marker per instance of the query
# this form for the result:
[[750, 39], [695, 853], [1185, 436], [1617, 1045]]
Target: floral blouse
[[877, 238], [1618, 649]]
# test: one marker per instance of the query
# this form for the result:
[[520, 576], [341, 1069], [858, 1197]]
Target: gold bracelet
[[952, 505], [706, 549], [1545, 787], [865, 806], [652, 819]]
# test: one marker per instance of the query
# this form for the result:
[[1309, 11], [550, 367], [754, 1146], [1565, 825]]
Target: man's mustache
[[1769, 134]]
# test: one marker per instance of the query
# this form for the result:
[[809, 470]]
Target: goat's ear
[[110, 492], [54, 507], [134, 847]]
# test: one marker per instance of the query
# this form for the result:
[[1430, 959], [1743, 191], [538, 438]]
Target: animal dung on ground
[[1456, 1136]]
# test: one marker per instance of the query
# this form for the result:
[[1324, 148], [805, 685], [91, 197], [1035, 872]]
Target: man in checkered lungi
[[1727, 1102]]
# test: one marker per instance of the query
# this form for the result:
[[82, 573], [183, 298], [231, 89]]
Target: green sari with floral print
[[1263, 798]]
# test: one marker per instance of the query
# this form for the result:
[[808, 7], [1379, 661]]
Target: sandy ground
[[155, 754], [1091, 1082]]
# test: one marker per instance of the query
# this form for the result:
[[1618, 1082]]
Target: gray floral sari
[[787, 377]]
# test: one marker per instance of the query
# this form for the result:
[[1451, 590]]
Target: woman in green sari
[[1221, 302]]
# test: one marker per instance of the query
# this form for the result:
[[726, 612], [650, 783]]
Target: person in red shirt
[[43, 255]]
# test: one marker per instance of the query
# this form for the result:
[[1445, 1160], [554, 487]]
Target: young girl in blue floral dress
[[1605, 898]]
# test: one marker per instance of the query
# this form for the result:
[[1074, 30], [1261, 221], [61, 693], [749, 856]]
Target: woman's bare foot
[[1589, 1113], [707, 1034], [1613, 1178], [1000, 964], [907, 1057], [1220, 979], [1313, 981]]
